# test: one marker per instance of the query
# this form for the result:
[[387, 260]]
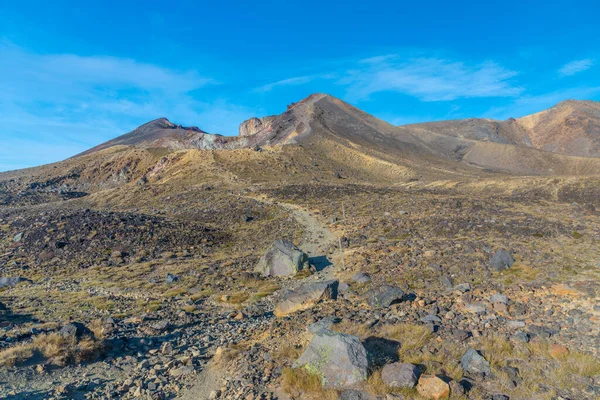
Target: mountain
[[165, 134], [550, 142], [322, 139], [571, 127], [143, 251]]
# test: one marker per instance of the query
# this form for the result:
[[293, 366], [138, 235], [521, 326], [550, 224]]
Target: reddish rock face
[[250, 127], [254, 125]]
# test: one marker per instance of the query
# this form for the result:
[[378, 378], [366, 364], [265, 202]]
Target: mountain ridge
[[570, 127]]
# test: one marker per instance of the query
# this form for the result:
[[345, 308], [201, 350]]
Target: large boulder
[[473, 363], [339, 359], [283, 258], [383, 296], [400, 375], [502, 260], [305, 297]]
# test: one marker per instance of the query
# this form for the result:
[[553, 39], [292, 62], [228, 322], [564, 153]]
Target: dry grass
[[361, 330], [299, 382], [288, 352], [412, 337], [201, 294], [518, 273], [416, 347], [54, 349], [497, 349], [231, 352], [544, 371], [175, 292], [189, 308], [235, 298], [265, 290]]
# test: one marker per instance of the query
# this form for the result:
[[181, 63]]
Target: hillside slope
[[571, 127]]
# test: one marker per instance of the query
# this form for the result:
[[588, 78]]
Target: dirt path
[[316, 237]]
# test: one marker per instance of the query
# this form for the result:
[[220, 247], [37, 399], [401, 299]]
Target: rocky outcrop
[[339, 359], [283, 258], [305, 297], [254, 125]]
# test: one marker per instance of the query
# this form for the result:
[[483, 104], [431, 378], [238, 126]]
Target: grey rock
[[361, 277], [325, 323], [161, 325], [306, 296], [474, 363], [463, 287], [18, 237], [353, 394], [502, 260], [475, 308], [171, 278], [499, 298], [513, 324], [339, 359], [400, 375], [75, 330], [12, 281], [185, 370], [446, 282], [383, 296], [431, 319], [283, 258], [520, 337]]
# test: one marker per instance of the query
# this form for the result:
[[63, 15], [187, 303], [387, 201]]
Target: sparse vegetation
[[53, 348], [299, 382]]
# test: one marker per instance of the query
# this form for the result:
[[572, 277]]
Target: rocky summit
[[322, 253]]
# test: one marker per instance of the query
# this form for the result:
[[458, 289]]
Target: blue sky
[[74, 74]]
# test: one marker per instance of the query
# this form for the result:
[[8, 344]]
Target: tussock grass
[[175, 292], [497, 349], [288, 352], [361, 330], [201, 294], [55, 349], [301, 383]]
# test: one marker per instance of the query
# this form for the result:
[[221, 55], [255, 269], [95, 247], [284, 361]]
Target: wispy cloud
[[299, 80], [575, 67], [429, 79], [78, 101]]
